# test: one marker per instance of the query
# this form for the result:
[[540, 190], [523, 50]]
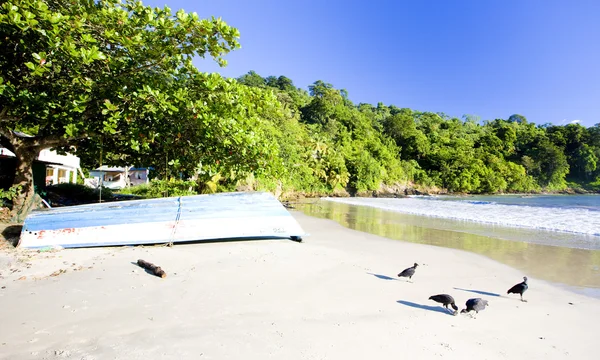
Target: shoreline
[[400, 191], [478, 222], [334, 296], [548, 255]]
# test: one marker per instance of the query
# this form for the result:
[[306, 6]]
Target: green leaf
[[70, 130]]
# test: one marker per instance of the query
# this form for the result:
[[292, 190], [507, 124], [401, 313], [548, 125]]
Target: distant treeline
[[327, 143]]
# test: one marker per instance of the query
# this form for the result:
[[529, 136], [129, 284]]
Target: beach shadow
[[383, 277], [425, 307], [478, 292]]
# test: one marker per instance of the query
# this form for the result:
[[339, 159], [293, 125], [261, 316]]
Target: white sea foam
[[572, 220]]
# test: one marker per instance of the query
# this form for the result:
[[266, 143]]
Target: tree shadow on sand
[[425, 307], [383, 277], [478, 292]]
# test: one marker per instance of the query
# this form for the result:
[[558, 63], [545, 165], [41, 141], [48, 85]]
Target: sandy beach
[[334, 296]]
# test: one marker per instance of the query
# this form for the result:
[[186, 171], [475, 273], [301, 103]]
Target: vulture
[[409, 272], [520, 288], [445, 300], [476, 304]]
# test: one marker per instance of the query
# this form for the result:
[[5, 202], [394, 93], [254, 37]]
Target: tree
[[86, 70], [519, 119], [402, 128], [223, 128], [252, 79], [584, 161], [549, 166]]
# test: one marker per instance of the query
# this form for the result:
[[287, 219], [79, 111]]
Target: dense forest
[[327, 142], [322, 143]]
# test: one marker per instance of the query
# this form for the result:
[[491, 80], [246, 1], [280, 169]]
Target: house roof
[[110, 168], [106, 168], [45, 156]]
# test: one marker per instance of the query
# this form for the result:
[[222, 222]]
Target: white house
[[117, 177], [59, 168], [65, 171]]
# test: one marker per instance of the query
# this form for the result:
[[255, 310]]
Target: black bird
[[409, 272], [446, 300], [519, 288], [476, 304]]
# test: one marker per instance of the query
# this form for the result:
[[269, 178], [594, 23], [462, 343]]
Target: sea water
[[554, 238], [576, 214]]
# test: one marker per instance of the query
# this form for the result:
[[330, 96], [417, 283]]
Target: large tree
[[221, 127], [98, 71]]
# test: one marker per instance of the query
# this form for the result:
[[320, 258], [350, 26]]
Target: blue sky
[[490, 58]]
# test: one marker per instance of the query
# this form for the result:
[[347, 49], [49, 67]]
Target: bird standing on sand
[[476, 304], [519, 288], [409, 272], [446, 300]]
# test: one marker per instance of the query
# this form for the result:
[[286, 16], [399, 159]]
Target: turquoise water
[[568, 258]]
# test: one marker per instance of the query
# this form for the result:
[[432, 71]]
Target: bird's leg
[[523, 300]]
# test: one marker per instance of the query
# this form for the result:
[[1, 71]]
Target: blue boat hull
[[177, 219]]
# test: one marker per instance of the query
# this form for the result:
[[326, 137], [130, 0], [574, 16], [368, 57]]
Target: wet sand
[[335, 296], [576, 269]]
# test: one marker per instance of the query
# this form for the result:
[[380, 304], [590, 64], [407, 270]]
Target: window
[[62, 176], [49, 175]]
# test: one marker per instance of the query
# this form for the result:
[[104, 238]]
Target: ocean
[[551, 237]]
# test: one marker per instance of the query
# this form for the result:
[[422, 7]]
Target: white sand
[[326, 298]]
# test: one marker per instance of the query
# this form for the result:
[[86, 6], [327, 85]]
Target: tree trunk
[[23, 202]]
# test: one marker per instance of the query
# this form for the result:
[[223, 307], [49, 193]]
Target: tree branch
[[7, 134], [4, 117], [147, 66], [57, 140]]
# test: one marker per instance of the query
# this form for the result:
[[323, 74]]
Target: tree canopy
[[385, 145], [118, 77]]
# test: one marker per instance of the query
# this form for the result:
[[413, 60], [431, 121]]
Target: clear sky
[[490, 58]]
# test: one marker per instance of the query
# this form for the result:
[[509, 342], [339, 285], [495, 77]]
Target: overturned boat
[[238, 215]]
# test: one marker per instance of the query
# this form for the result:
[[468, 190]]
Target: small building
[[66, 168], [50, 168], [117, 177]]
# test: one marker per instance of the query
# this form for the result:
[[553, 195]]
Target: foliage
[[114, 76], [327, 142], [10, 193], [77, 68], [163, 188]]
